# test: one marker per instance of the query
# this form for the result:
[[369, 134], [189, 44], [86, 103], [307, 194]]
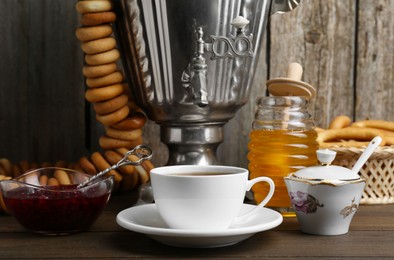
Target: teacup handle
[[249, 185]]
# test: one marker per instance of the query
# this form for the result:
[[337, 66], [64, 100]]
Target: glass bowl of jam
[[47, 200]]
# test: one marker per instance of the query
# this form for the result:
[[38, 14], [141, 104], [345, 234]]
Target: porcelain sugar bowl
[[326, 197]]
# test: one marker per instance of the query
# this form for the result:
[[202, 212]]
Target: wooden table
[[371, 235]]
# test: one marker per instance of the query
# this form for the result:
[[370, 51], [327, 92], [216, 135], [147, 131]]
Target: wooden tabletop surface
[[371, 235]]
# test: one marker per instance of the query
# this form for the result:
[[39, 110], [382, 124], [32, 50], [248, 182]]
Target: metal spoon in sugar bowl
[[142, 152]]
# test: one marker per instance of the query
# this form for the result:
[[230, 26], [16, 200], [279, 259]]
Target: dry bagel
[[104, 93], [93, 6], [93, 33], [348, 137], [109, 143], [132, 122], [114, 117], [380, 124], [109, 106], [103, 57], [87, 166], [341, 121], [91, 19], [99, 70], [98, 45], [109, 79], [101, 164], [129, 135]]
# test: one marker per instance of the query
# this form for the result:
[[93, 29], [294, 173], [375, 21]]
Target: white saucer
[[145, 219]]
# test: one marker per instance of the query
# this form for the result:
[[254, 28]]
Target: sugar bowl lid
[[326, 171]]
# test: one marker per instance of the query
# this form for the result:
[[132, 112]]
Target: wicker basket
[[378, 172]]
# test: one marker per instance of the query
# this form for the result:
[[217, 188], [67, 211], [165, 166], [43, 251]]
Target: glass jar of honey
[[282, 141]]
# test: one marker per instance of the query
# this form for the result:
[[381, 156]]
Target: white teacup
[[203, 197]]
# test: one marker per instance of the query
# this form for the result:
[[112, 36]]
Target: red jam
[[54, 210]]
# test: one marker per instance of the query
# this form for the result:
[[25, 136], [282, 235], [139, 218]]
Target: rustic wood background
[[345, 46]]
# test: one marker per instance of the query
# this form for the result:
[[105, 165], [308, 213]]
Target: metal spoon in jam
[[142, 152]]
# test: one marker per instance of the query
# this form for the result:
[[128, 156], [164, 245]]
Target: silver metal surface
[[190, 65]]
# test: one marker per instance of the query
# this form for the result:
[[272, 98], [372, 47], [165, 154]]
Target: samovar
[[190, 65]]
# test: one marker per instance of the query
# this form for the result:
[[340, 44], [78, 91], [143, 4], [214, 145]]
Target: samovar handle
[[282, 6]]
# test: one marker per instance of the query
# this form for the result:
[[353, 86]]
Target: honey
[[275, 154], [283, 140]]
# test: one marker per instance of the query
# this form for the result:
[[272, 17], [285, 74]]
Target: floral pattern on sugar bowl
[[346, 211], [304, 202], [307, 204]]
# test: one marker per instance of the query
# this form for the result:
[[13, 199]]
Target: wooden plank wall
[[42, 107], [345, 46]]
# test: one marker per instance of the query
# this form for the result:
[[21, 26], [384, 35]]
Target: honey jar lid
[[292, 84]]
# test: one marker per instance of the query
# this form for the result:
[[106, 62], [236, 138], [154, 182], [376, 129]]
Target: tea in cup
[[203, 197]]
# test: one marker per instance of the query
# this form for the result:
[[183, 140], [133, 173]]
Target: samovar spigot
[[194, 78]]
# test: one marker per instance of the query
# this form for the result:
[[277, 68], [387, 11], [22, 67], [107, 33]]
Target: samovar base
[[192, 144]]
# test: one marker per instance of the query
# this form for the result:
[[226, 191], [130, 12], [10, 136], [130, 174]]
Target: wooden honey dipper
[[292, 84]]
